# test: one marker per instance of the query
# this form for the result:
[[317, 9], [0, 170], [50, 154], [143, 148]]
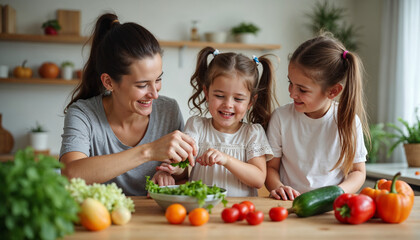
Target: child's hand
[[211, 157], [284, 193], [163, 178]]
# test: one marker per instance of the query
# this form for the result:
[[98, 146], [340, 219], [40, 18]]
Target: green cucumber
[[315, 202]]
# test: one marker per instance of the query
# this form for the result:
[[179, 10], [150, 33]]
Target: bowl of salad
[[191, 195]]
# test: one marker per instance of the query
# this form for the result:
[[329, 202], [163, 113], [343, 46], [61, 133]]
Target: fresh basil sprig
[[182, 164]]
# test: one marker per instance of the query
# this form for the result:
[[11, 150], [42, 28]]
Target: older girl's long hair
[[325, 60]]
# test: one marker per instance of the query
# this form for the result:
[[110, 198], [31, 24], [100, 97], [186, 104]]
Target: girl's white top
[[309, 148], [248, 142]]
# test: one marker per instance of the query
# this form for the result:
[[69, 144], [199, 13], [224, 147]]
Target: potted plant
[[245, 32], [67, 70], [38, 137], [411, 140], [51, 27], [326, 17], [379, 139]]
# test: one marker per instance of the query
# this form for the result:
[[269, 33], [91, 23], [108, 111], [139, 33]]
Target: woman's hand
[[211, 157], [166, 167], [163, 178], [284, 193], [175, 146]]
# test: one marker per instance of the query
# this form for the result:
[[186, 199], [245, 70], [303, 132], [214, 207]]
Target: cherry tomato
[[278, 214], [255, 218], [417, 173], [175, 213], [230, 215], [243, 210], [251, 206], [198, 216]]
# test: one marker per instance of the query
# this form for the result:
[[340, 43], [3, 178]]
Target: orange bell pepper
[[374, 192], [395, 206], [401, 187]]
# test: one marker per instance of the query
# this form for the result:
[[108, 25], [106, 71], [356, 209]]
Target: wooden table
[[149, 222]]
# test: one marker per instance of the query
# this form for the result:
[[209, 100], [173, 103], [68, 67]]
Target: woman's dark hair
[[114, 47], [229, 64]]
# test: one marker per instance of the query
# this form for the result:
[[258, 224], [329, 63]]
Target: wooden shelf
[[55, 81], [43, 38], [232, 45], [179, 44]]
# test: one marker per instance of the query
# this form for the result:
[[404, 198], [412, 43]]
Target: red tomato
[[230, 215], [354, 208], [251, 206], [255, 218], [278, 214], [243, 210]]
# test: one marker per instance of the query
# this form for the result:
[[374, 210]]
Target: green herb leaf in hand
[[182, 164]]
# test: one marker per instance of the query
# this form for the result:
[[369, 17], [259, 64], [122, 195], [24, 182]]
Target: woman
[[117, 128]]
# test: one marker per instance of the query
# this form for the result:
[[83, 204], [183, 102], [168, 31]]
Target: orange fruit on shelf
[[175, 213], [49, 70], [22, 71], [198, 216], [93, 215]]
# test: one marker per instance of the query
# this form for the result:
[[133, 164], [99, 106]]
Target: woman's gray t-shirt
[[86, 130]]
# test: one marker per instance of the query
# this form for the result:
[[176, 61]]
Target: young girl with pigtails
[[232, 153], [316, 140]]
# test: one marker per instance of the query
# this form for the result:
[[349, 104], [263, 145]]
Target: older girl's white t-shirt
[[309, 148], [248, 142]]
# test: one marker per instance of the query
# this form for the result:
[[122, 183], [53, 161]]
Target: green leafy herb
[[52, 23], [34, 201], [244, 27], [182, 164], [110, 195], [410, 135], [195, 189]]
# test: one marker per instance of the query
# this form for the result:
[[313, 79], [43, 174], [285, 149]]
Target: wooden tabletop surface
[[149, 222]]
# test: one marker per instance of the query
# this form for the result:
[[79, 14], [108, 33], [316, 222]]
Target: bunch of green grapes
[[110, 195]]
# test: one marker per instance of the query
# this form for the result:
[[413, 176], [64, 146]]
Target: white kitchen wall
[[282, 22]]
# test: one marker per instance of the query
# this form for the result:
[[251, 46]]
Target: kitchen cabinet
[[181, 45]]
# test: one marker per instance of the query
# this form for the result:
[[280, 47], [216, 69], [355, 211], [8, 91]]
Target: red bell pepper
[[354, 208]]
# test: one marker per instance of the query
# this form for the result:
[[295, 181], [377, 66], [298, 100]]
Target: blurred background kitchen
[[283, 25]]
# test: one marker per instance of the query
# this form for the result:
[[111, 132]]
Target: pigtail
[[91, 84], [198, 79], [351, 104], [266, 97]]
